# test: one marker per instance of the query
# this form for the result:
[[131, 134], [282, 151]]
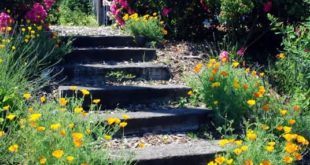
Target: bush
[[57, 133], [75, 17], [148, 26]]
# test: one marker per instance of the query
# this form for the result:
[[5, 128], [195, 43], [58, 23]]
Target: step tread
[[136, 65], [134, 87], [115, 48], [160, 113]]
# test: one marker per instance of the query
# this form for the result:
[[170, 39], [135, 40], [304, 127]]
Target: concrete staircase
[[95, 56]]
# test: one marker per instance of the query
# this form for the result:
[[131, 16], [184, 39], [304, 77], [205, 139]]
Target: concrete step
[[91, 55], [190, 153], [120, 96], [98, 74], [106, 41], [162, 121]]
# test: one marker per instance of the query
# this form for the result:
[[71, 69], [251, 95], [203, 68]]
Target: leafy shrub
[[291, 70], [75, 17], [57, 133], [148, 26], [230, 90]]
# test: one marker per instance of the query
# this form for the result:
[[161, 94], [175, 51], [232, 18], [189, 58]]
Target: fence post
[[99, 11]]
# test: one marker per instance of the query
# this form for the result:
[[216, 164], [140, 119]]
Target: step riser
[[100, 55], [98, 75], [182, 160], [106, 41], [112, 97], [166, 124]]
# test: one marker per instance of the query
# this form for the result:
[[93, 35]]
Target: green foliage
[[75, 17], [147, 26], [291, 71], [73, 133], [119, 76]]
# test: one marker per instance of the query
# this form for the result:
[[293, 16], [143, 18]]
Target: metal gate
[[100, 11]]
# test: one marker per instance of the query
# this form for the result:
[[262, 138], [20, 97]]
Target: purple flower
[[166, 12], [241, 51], [306, 50], [224, 54]]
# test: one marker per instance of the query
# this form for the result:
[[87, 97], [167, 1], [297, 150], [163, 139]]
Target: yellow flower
[[43, 160], [6, 108], [198, 67], [262, 74], [248, 162], [272, 143], [110, 120], [244, 148], [291, 147], [238, 142], [296, 107], [302, 140], [39, 27], [254, 73], [2, 133], [235, 64], [27, 95], [123, 124], [220, 159], [85, 92], [63, 109], [212, 163], [265, 127], [164, 31], [161, 22], [251, 102], [287, 159], [215, 84], [71, 125], [58, 153], [73, 88], [23, 29], [126, 117], [77, 135], [33, 124], [283, 112], [41, 129], [251, 135], [224, 60], [70, 158], [1, 60], [13, 47], [88, 131], [216, 65], [279, 128], [141, 145], [266, 107], [229, 161], [8, 11], [78, 110], [269, 148], [63, 132], [34, 117], [107, 137], [291, 121], [63, 101], [289, 137], [190, 93], [96, 101], [13, 148], [223, 142], [26, 40], [236, 85], [215, 102], [265, 162], [11, 116], [298, 156], [125, 17], [287, 129], [55, 126], [77, 143], [237, 151], [282, 56], [2, 46]]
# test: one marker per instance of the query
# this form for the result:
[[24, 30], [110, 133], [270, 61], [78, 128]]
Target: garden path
[[102, 63]]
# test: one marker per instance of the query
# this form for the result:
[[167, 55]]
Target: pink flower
[[241, 51], [130, 11], [306, 50], [36, 14], [113, 8], [124, 3], [224, 54], [49, 3], [5, 20], [267, 7], [166, 12]]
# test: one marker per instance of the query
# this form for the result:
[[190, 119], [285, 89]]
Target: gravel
[[83, 30]]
